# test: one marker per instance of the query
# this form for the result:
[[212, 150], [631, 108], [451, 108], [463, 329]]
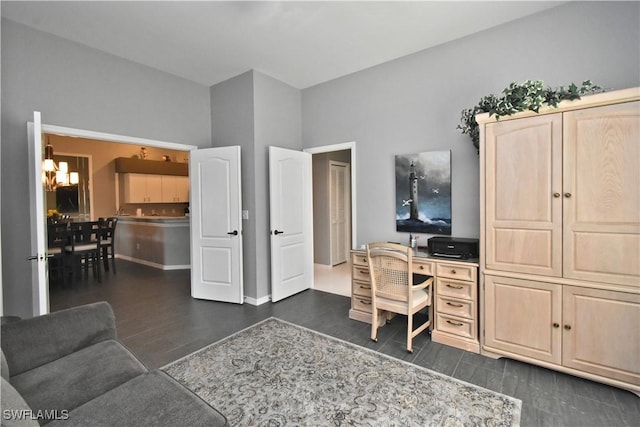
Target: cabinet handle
[[567, 327], [455, 323], [454, 305], [556, 195], [567, 195], [364, 272], [421, 267], [453, 271], [365, 302], [556, 325], [454, 287], [364, 260], [365, 287]]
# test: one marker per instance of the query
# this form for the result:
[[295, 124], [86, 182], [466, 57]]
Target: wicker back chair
[[395, 288]]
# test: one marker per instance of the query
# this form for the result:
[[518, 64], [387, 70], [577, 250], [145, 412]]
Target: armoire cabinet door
[[601, 333], [601, 195], [523, 317], [523, 195]]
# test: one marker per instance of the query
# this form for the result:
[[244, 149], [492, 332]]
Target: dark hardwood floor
[[159, 321]]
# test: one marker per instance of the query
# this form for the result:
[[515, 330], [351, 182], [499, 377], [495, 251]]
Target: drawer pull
[[364, 272], [422, 267], [453, 271], [556, 325], [365, 287], [365, 302], [454, 287], [455, 323], [364, 260], [454, 305], [567, 327]]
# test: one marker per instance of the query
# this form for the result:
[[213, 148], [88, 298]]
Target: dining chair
[[57, 239], [107, 243], [84, 247], [396, 289]]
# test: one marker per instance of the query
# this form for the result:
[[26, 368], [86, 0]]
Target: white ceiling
[[300, 43]]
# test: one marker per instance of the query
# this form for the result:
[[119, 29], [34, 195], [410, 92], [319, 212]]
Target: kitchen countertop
[[153, 218]]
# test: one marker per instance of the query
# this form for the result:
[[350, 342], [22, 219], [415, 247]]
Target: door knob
[[276, 232], [233, 233]]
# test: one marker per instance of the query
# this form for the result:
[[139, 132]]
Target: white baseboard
[[258, 301], [153, 264]]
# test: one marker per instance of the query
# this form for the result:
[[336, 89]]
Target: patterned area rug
[[277, 373]]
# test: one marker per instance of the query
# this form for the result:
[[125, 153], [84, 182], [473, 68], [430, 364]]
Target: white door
[[339, 209], [291, 211], [39, 270], [216, 224]]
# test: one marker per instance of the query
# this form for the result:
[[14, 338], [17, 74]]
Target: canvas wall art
[[423, 192]]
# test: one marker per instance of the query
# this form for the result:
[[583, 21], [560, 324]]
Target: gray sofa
[[67, 368]]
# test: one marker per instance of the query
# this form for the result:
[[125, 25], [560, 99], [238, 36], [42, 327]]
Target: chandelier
[[57, 175]]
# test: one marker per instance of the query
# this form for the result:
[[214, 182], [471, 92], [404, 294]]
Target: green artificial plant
[[530, 95]]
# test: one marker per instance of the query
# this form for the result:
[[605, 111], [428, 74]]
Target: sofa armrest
[[33, 342]]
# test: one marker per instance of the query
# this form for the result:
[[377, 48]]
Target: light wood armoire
[[560, 237]]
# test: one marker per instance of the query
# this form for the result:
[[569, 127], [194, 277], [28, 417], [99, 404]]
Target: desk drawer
[[361, 288], [360, 273], [359, 259], [456, 288], [456, 307], [456, 271], [456, 326], [361, 303], [421, 266]]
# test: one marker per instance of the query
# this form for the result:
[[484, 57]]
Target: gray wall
[[78, 87], [255, 111], [413, 104]]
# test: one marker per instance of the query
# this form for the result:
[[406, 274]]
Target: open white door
[[216, 224], [39, 275], [291, 211]]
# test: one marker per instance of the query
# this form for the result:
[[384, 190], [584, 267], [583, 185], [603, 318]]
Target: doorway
[[40, 285], [334, 216]]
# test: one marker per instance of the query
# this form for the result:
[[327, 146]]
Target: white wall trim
[[109, 137], [339, 147], [154, 264], [258, 301]]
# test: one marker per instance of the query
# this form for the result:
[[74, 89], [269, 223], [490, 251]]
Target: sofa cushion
[[15, 411], [30, 343], [153, 399], [4, 367], [68, 382]]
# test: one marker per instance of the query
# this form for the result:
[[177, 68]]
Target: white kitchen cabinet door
[[175, 189], [142, 188]]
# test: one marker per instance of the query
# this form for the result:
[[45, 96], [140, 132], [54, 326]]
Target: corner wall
[[413, 104]]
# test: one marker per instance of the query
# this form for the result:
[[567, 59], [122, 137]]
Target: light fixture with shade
[[57, 175]]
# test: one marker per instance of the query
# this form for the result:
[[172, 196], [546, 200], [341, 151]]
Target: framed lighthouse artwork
[[423, 192]]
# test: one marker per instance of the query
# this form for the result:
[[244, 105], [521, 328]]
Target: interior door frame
[[340, 147], [41, 290], [347, 167]]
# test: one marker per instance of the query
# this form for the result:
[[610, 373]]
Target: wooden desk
[[455, 297]]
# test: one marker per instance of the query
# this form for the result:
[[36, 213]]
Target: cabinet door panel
[[520, 317], [602, 201], [524, 228], [603, 337]]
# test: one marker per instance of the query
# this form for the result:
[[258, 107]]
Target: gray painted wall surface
[[78, 87], [232, 123], [278, 122], [413, 104], [256, 111]]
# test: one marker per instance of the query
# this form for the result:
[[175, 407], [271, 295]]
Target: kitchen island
[[157, 241]]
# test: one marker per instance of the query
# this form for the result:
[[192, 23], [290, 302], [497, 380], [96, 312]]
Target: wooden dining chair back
[[107, 244], [85, 246], [396, 289], [57, 239]]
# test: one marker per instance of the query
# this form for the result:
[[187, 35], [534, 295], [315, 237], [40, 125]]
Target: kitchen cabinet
[[560, 237], [151, 188], [142, 188], [175, 189]]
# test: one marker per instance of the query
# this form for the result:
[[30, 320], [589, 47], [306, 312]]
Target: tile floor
[[159, 321]]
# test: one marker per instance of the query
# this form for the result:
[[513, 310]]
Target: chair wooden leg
[[410, 333], [374, 324], [105, 258]]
